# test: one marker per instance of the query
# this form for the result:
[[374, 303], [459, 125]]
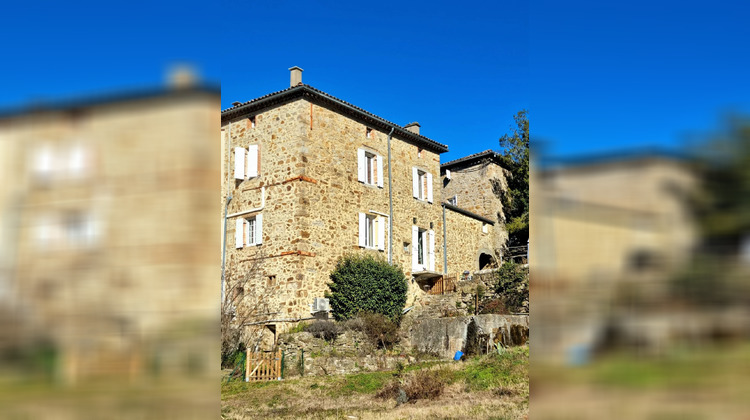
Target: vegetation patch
[[362, 283]]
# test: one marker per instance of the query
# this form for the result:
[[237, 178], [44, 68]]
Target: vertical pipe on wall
[[390, 202], [445, 246]]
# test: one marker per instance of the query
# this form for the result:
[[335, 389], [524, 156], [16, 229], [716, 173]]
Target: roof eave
[[313, 95]]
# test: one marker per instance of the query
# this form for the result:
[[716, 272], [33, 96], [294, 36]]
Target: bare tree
[[244, 308]]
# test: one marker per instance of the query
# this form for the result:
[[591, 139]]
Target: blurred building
[[107, 242], [312, 178], [606, 217], [605, 232]]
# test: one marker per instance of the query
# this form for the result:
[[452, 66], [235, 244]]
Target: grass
[[489, 386], [706, 381]]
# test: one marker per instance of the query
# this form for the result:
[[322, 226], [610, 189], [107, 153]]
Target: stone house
[[473, 183], [106, 232], [309, 178]]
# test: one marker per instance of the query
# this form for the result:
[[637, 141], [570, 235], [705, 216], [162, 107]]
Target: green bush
[[326, 330], [513, 286], [362, 283]]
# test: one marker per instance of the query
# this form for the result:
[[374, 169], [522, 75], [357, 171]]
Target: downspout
[[390, 201], [226, 208], [445, 246]]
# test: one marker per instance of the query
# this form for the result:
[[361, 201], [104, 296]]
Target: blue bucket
[[458, 355]]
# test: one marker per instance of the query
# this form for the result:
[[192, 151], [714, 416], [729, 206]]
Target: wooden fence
[[263, 366], [443, 285]]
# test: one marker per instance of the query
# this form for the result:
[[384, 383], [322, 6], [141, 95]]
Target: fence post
[[247, 365]]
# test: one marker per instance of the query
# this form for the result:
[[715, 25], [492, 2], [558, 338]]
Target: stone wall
[[466, 240], [446, 336], [350, 352]]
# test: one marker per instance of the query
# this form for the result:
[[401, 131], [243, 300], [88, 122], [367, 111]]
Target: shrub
[[424, 385], [326, 330], [362, 283], [421, 385], [493, 306], [381, 330], [513, 285]]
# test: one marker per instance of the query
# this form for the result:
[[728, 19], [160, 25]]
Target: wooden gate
[[443, 285], [263, 366]]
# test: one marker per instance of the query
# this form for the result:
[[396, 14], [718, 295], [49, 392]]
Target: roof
[[111, 98], [321, 98], [476, 157], [609, 160], [467, 213]]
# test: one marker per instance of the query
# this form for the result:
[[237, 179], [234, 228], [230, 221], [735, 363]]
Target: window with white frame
[[249, 231], [421, 185], [371, 231], [246, 162], [453, 200], [370, 168], [422, 249]]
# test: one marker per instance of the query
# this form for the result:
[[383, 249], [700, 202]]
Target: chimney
[[413, 127], [295, 76], [182, 77]]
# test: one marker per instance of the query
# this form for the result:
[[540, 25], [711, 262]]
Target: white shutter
[[361, 166], [259, 229], [414, 248], [381, 233], [362, 227], [448, 173], [239, 163], [252, 161], [429, 188], [415, 182], [238, 232], [425, 249], [381, 175], [432, 249]]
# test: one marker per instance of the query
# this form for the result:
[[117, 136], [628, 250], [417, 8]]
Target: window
[[423, 249], [368, 133], [420, 247], [246, 162], [370, 168], [251, 121], [453, 200], [419, 152], [371, 231], [248, 231], [422, 185]]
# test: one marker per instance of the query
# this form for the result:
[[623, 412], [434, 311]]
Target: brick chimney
[[295, 76], [413, 127]]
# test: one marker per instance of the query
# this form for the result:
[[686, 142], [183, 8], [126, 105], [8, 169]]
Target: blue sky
[[61, 50], [629, 75], [461, 71], [595, 76]]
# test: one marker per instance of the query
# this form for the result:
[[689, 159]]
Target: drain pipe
[[445, 246], [390, 201], [226, 208]]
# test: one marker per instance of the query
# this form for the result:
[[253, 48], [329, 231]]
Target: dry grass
[[471, 390]]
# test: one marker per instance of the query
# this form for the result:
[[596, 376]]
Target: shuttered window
[[369, 168], [249, 231]]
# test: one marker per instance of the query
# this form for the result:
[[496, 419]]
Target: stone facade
[[309, 147], [474, 183]]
